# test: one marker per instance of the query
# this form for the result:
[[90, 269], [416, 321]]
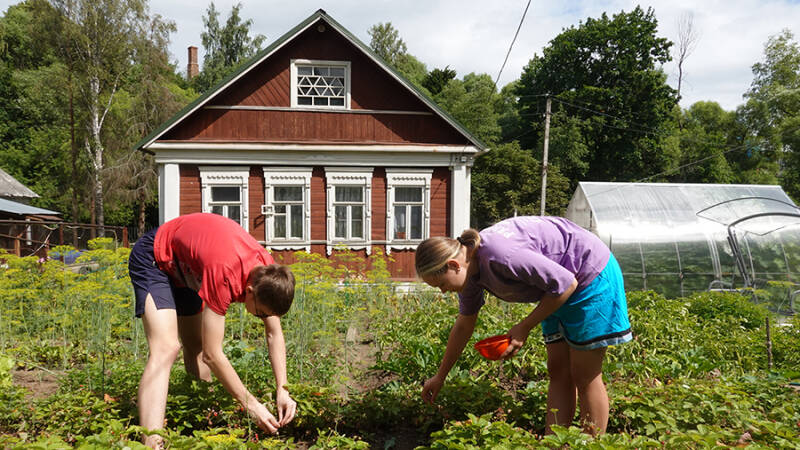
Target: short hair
[[433, 253], [273, 287]]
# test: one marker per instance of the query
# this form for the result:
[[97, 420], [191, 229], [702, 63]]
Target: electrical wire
[[512, 44]]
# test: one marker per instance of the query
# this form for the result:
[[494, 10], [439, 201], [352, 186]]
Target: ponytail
[[433, 253]]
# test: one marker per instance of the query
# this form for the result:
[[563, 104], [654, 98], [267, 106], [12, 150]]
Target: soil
[[38, 383]]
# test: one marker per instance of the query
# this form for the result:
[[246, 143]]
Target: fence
[[26, 238]]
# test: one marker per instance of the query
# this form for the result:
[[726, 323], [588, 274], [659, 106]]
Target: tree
[[687, 41], [705, 138], [472, 102], [386, 42], [506, 181], [226, 47], [606, 75], [437, 79], [103, 39], [771, 113], [33, 82]]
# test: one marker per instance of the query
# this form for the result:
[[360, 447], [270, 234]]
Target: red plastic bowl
[[493, 347]]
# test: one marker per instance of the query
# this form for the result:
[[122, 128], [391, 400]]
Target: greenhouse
[[682, 238]]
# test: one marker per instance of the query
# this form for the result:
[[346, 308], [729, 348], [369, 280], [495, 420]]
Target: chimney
[[192, 69]]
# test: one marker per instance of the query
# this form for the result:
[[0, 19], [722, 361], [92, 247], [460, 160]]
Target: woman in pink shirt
[[576, 283]]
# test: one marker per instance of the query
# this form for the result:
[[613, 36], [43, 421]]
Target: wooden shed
[[317, 144]]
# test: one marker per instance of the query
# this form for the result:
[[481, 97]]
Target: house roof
[[23, 209], [10, 187], [278, 44]]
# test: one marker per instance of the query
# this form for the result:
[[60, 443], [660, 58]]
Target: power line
[[512, 43]]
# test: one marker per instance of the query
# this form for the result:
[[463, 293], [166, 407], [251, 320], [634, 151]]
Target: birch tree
[[102, 37]]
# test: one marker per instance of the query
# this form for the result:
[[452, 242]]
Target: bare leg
[[561, 392], [587, 373], [160, 327], [190, 330]]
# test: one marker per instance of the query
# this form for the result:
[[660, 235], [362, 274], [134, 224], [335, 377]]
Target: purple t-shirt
[[522, 258]]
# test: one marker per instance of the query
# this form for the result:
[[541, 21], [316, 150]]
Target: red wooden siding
[[440, 202], [268, 85], [378, 204], [401, 265], [255, 185], [213, 125], [319, 224], [191, 200]]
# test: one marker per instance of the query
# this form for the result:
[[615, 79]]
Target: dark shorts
[[147, 278]]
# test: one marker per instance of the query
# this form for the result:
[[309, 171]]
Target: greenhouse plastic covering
[[674, 238]]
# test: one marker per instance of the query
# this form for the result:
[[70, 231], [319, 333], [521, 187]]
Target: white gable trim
[[227, 146]]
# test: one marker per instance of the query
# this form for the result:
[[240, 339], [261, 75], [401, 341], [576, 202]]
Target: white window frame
[[319, 62], [287, 176], [354, 176], [420, 178], [226, 176]]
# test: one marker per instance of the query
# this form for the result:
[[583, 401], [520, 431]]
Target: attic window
[[320, 84]]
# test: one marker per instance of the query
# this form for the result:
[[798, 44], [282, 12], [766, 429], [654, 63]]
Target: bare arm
[[213, 356], [547, 305], [459, 336], [277, 358]]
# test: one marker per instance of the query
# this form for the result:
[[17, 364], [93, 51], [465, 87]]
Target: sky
[[475, 35]]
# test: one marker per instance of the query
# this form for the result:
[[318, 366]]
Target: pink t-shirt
[[214, 250]]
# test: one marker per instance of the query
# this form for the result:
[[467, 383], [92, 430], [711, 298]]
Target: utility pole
[[544, 154]]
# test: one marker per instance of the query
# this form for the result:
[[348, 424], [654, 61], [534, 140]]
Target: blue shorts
[[594, 317], [147, 278]]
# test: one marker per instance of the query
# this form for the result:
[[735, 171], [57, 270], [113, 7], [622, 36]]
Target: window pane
[[408, 194], [280, 226], [400, 222], [320, 101], [288, 193], [225, 193], [337, 102], [303, 100], [349, 194], [217, 209], [280, 209], [357, 222], [340, 230], [303, 70], [337, 71], [234, 212], [297, 221], [416, 222]]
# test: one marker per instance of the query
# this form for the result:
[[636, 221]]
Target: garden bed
[[71, 355]]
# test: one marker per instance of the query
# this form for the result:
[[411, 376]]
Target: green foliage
[[695, 376], [472, 102], [614, 92], [437, 79], [386, 42], [507, 182], [772, 110], [226, 47], [728, 305]]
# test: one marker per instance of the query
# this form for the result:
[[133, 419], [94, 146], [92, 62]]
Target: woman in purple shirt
[[577, 284]]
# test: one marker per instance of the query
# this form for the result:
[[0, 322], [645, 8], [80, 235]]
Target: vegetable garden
[[697, 374]]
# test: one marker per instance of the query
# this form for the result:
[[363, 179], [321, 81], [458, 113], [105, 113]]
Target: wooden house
[[318, 144]]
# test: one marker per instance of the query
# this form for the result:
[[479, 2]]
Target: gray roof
[[22, 209], [10, 187]]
